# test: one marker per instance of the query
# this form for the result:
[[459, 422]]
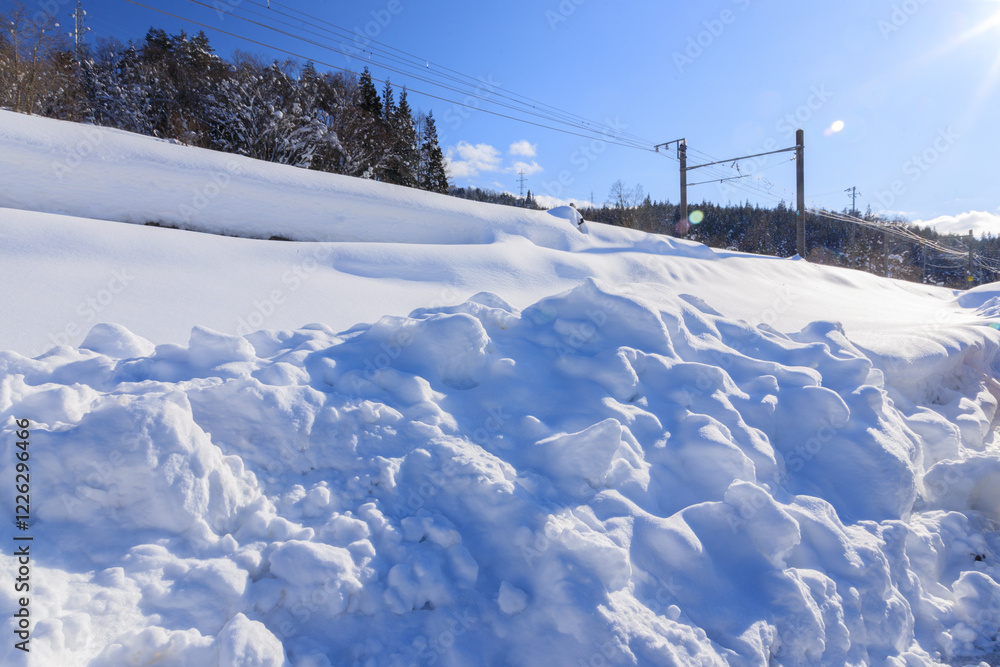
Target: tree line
[[176, 87], [772, 231]]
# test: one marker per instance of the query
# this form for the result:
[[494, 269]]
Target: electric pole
[[682, 155], [800, 187], [800, 212]]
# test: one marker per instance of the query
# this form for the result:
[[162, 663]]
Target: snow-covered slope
[[505, 441]]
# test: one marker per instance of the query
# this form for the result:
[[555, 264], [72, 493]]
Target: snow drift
[[597, 475], [627, 470]]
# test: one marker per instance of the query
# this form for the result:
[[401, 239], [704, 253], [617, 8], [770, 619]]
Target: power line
[[400, 71], [423, 63], [604, 139], [423, 78]]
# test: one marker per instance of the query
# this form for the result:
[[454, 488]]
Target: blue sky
[[913, 87]]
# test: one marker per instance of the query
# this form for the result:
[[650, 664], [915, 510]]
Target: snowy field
[[426, 431]]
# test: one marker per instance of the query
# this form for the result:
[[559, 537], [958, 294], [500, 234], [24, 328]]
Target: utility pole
[[521, 180], [971, 278], [682, 155], [800, 187], [799, 149], [79, 29]]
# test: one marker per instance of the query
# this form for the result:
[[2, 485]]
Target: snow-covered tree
[[403, 157], [119, 88], [432, 175], [28, 45], [263, 113]]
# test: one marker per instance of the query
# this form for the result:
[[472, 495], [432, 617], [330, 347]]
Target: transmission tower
[[521, 181], [79, 29], [853, 191]]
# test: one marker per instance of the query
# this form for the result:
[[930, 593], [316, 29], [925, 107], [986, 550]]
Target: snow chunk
[[567, 213], [310, 567], [117, 342], [244, 642], [511, 600]]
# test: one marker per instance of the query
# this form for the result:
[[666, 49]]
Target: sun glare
[[982, 31]]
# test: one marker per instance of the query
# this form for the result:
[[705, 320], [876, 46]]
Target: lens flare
[[696, 217], [837, 126]]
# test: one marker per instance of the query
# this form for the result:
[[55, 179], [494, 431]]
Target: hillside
[[422, 430]]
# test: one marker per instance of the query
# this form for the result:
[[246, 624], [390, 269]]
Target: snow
[[431, 431]]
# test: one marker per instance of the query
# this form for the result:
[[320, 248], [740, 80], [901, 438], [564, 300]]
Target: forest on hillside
[[176, 87], [760, 230]]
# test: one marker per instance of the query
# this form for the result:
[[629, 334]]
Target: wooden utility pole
[[800, 187]]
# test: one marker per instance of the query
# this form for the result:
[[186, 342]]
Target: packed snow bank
[[608, 476], [386, 250], [724, 459], [95, 172]]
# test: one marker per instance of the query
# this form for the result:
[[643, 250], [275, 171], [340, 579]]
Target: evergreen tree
[[370, 129], [388, 104], [404, 155], [119, 89], [369, 100], [433, 176]]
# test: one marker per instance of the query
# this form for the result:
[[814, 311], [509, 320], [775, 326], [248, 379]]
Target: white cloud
[[551, 202], [523, 148], [980, 222], [466, 160], [528, 169]]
